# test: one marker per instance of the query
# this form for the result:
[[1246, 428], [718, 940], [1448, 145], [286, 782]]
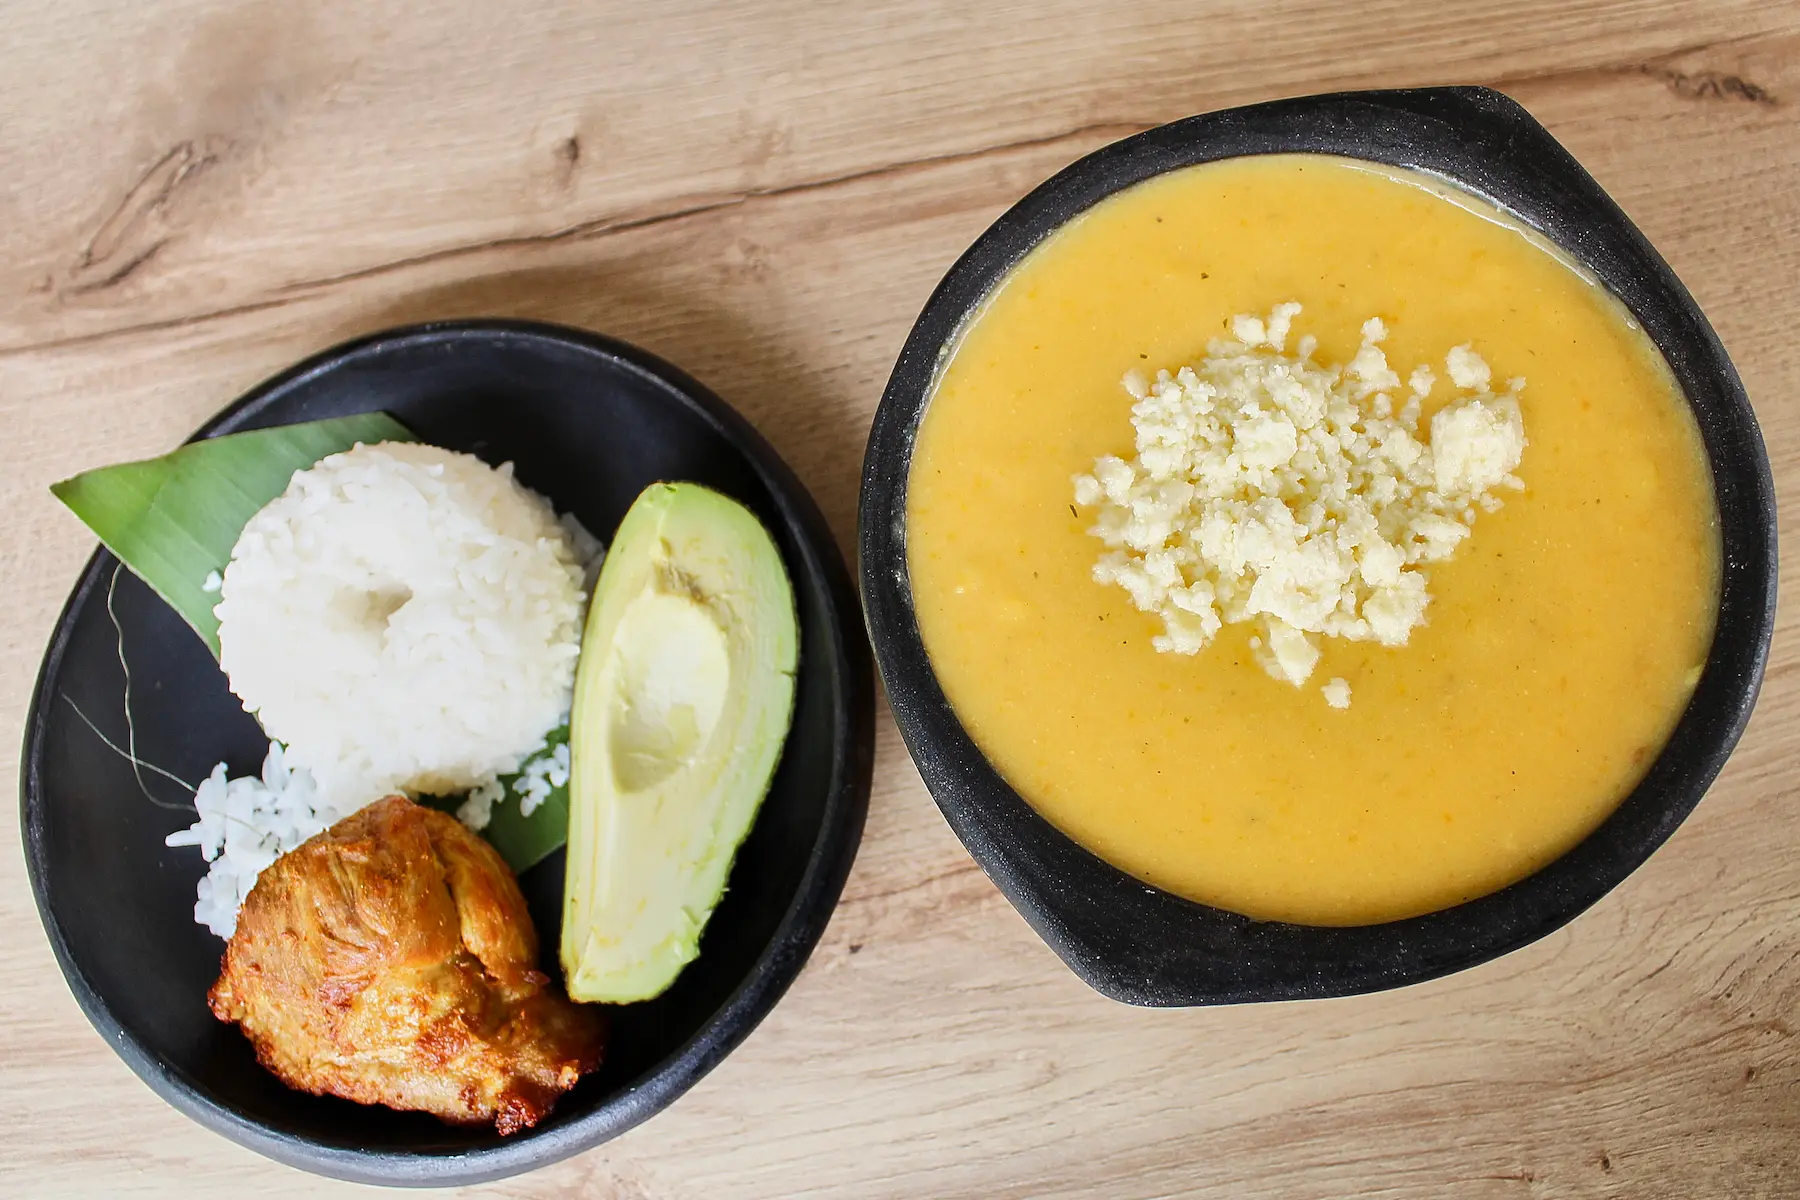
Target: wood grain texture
[[199, 193]]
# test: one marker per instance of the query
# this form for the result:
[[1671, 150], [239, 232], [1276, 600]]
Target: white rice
[[403, 618], [246, 824], [543, 773]]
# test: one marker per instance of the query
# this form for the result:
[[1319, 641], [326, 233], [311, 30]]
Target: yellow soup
[[1562, 640]]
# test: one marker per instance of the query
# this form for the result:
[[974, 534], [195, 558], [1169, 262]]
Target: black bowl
[[1142, 945], [589, 422]]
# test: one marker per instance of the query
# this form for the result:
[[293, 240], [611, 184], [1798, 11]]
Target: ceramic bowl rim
[[1139, 944], [821, 884]]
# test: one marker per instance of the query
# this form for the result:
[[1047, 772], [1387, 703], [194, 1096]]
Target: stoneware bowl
[[1142, 945], [589, 422]]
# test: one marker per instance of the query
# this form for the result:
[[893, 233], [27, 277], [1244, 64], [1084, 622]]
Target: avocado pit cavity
[[672, 670]]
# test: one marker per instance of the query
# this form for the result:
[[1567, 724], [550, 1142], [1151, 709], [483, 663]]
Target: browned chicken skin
[[390, 960]]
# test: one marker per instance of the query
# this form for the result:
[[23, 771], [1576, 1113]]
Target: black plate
[[589, 422], [1142, 945]]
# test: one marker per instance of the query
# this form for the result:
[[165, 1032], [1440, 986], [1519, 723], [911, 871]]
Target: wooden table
[[197, 193]]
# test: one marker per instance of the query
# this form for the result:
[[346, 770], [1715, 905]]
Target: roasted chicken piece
[[391, 960]]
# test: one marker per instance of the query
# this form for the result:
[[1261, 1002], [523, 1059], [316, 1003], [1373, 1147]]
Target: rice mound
[[403, 618]]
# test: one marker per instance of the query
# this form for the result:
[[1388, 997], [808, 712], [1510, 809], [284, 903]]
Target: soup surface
[[1562, 640]]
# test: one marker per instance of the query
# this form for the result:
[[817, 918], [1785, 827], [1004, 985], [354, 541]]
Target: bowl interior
[[1137, 943], [588, 423]]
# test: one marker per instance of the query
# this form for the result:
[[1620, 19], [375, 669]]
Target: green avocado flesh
[[683, 697]]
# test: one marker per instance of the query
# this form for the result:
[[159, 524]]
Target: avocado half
[[683, 697]]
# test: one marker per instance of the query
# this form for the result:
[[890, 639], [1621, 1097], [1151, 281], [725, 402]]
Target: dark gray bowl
[[1142, 945], [589, 422]]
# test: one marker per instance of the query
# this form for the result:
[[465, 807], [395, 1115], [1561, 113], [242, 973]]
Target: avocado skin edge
[[635, 902]]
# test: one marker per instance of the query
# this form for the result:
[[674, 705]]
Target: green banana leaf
[[521, 840], [174, 520], [525, 841]]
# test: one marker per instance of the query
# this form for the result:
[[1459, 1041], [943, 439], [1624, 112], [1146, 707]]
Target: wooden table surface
[[197, 193]]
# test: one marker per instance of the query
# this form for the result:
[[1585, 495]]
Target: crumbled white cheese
[[1467, 370], [1288, 655], [1421, 381], [1273, 489], [1475, 446]]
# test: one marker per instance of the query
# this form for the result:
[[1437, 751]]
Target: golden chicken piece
[[391, 960]]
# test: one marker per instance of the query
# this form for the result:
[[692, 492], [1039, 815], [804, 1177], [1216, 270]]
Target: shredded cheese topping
[[1302, 497]]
